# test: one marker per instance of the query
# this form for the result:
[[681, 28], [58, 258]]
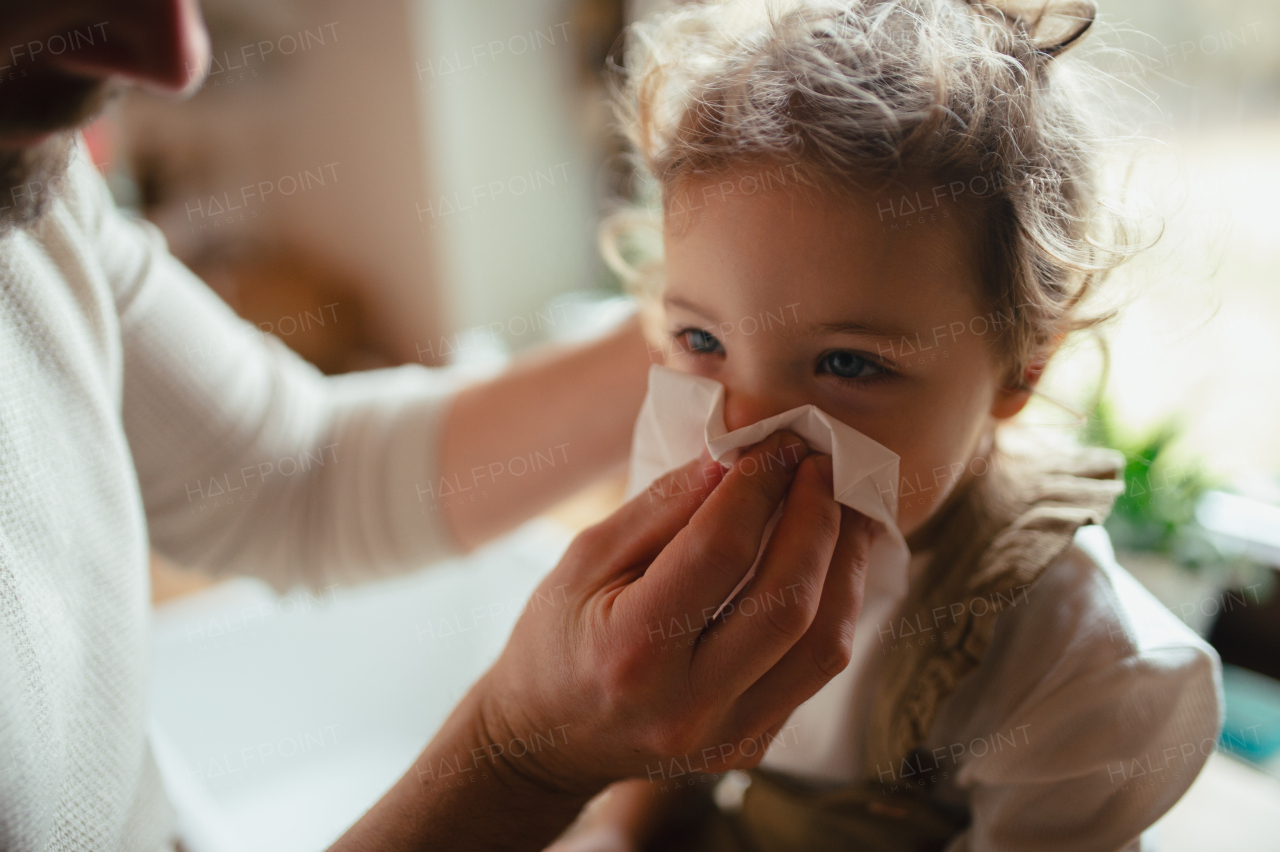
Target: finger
[[823, 651], [637, 532], [775, 609], [766, 739], [707, 559]]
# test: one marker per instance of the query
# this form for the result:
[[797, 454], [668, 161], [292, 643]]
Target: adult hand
[[600, 684], [631, 665]]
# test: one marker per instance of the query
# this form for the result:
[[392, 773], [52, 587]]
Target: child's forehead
[[889, 216], [842, 251]]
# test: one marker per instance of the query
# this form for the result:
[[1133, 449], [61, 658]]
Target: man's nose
[[158, 44]]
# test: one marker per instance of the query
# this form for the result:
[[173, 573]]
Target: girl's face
[[855, 304]]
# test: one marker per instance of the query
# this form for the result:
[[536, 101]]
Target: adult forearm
[[515, 445]]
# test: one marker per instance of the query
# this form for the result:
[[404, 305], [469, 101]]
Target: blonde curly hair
[[860, 94]]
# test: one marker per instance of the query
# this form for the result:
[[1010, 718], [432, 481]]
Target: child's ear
[[1014, 396], [1009, 401]]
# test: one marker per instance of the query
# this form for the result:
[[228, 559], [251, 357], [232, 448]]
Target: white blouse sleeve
[[1108, 709], [249, 459]]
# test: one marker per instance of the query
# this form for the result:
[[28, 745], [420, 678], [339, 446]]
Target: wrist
[[470, 786], [525, 751], [465, 793]]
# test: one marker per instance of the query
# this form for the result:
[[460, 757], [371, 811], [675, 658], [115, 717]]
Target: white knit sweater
[[135, 406]]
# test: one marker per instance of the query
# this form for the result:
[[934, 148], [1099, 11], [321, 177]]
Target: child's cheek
[[922, 489], [686, 362]]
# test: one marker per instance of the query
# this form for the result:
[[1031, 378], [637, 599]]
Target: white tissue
[[684, 413]]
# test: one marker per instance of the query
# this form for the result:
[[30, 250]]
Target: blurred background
[[386, 181]]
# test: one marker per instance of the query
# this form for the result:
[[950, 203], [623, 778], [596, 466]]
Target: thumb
[[633, 536]]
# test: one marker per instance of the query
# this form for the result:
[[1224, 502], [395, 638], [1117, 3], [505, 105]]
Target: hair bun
[[1052, 26]]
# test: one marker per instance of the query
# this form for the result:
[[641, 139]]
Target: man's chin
[[26, 140], [38, 125], [31, 177]]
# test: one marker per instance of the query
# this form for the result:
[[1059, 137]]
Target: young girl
[[888, 209]]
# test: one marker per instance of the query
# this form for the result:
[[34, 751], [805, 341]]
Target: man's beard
[[30, 178], [33, 176]]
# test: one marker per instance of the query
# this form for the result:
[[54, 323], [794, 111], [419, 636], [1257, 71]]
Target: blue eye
[[848, 365], [699, 341]]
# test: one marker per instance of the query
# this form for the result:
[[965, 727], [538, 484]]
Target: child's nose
[[742, 408]]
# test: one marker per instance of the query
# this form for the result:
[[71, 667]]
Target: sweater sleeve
[[249, 459]]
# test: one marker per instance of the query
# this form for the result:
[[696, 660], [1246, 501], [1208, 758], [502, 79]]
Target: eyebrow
[[882, 332], [687, 305], [863, 330]]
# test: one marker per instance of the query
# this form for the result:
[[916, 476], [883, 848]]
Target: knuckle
[[622, 670], [590, 542], [745, 749], [763, 481], [807, 596], [834, 649], [789, 621], [676, 738], [854, 565], [731, 552], [762, 476], [651, 737], [861, 559], [832, 656]]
